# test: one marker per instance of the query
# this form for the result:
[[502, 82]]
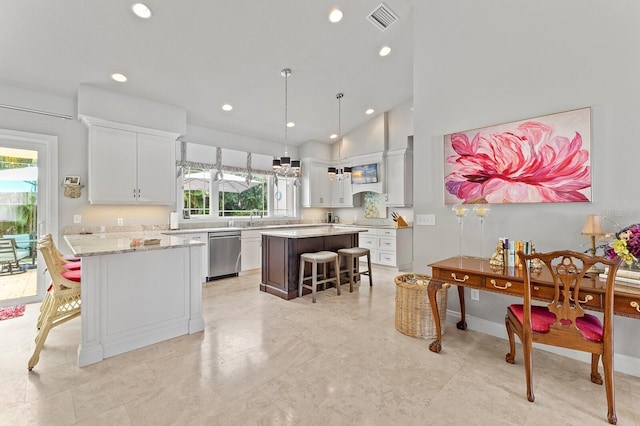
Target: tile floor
[[265, 361]]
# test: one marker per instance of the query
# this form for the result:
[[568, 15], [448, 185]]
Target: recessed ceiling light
[[291, 124], [385, 51], [120, 78], [141, 10], [369, 111], [335, 15], [227, 107], [333, 136]]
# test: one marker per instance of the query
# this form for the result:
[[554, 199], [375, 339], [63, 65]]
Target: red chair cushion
[[72, 266], [541, 319], [73, 275]]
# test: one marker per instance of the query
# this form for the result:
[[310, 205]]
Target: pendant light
[[339, 172], [284, 166]]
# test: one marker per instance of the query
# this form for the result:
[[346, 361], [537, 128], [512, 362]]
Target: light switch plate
[[475, 294], [426, 219], [77, 218]]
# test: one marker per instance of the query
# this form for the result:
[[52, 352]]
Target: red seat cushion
[[541, 319], [73, 275], [72, 266]]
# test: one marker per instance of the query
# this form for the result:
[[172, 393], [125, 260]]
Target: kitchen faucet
[[251, 216]]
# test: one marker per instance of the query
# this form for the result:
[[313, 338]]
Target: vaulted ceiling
[[201, 54]]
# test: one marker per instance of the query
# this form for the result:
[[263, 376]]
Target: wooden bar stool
[[352, 256], [323, 258]]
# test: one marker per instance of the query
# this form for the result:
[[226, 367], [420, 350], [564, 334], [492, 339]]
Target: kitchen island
[[136, 296], [281, 252]]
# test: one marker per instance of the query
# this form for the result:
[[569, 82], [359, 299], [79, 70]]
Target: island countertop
[[318, 231], [120, 242]]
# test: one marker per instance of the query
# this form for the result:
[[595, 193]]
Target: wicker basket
[[413, 310], [72, 191]]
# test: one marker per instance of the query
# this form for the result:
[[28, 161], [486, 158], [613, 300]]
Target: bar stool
[[352, 256], [319, 258]]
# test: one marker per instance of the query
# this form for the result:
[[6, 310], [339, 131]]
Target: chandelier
[[339, 172], [285, 166]]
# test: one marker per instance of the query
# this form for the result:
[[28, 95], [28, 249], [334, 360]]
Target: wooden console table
[[473, 272]]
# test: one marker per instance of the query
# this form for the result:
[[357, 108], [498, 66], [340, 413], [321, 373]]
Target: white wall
[[400, 125], [73, 156], [483, 63]]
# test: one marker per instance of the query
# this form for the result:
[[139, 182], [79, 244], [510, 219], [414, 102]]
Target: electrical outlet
[[426, 219], [120, 221], [77, 218], [475, 294]]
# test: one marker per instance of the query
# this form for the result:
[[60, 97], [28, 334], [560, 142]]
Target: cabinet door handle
[[635, 304], [455, 278], [504, 287], [587, 298]]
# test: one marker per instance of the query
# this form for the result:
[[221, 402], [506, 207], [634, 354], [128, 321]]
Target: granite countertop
[[270, 227], [238, 228], [316, 231], [386, 226], [119, 242]]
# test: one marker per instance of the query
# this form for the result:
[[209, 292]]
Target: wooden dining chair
[[64, 300], [563, 322]]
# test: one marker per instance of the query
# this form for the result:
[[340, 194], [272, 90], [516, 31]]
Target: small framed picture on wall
[[72, 180]]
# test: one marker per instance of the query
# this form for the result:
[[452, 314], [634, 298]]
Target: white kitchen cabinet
[[399, 178], [369, 240], [316, 191], [251, 249], [341, 193], [204, 238], [390, 247], [129, 167]]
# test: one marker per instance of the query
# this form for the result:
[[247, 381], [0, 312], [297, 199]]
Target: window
[[203, 196], [206, 197]]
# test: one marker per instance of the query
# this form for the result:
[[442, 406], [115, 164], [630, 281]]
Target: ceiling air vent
[[382, 17]]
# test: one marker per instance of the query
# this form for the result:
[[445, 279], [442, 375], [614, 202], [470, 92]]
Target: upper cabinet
[[341, 193], [129, 166], [399, 178], [318, 190], [315, 184]]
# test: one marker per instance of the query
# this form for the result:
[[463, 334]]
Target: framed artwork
[[540, 160], [72, 180]]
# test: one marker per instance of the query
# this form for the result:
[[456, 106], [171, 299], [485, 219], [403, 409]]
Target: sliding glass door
[[23, 168]]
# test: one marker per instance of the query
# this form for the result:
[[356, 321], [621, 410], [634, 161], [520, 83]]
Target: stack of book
[[627, 276], [510, 248]]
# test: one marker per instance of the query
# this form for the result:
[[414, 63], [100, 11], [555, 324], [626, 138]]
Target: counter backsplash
[[73, 230]]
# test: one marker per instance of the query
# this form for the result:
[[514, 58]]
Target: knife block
[[400, 222]]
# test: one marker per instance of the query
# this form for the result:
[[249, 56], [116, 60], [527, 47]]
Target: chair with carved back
[[63, 301], [563, 322]]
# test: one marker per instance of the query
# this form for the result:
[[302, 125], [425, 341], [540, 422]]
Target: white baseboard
[[622, 363]]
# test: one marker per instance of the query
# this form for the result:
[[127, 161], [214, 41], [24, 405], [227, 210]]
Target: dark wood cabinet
[[281, 259]]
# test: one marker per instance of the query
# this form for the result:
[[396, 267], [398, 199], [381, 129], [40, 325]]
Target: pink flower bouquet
[[626, 245]]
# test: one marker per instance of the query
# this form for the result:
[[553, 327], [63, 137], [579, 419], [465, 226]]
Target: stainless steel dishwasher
[[224, 254]]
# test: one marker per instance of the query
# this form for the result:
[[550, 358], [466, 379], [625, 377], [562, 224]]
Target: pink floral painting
[[541, 160]]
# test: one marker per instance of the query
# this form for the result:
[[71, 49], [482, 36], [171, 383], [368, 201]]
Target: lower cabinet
[[390, 247], [202, 237], [251, 244]]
